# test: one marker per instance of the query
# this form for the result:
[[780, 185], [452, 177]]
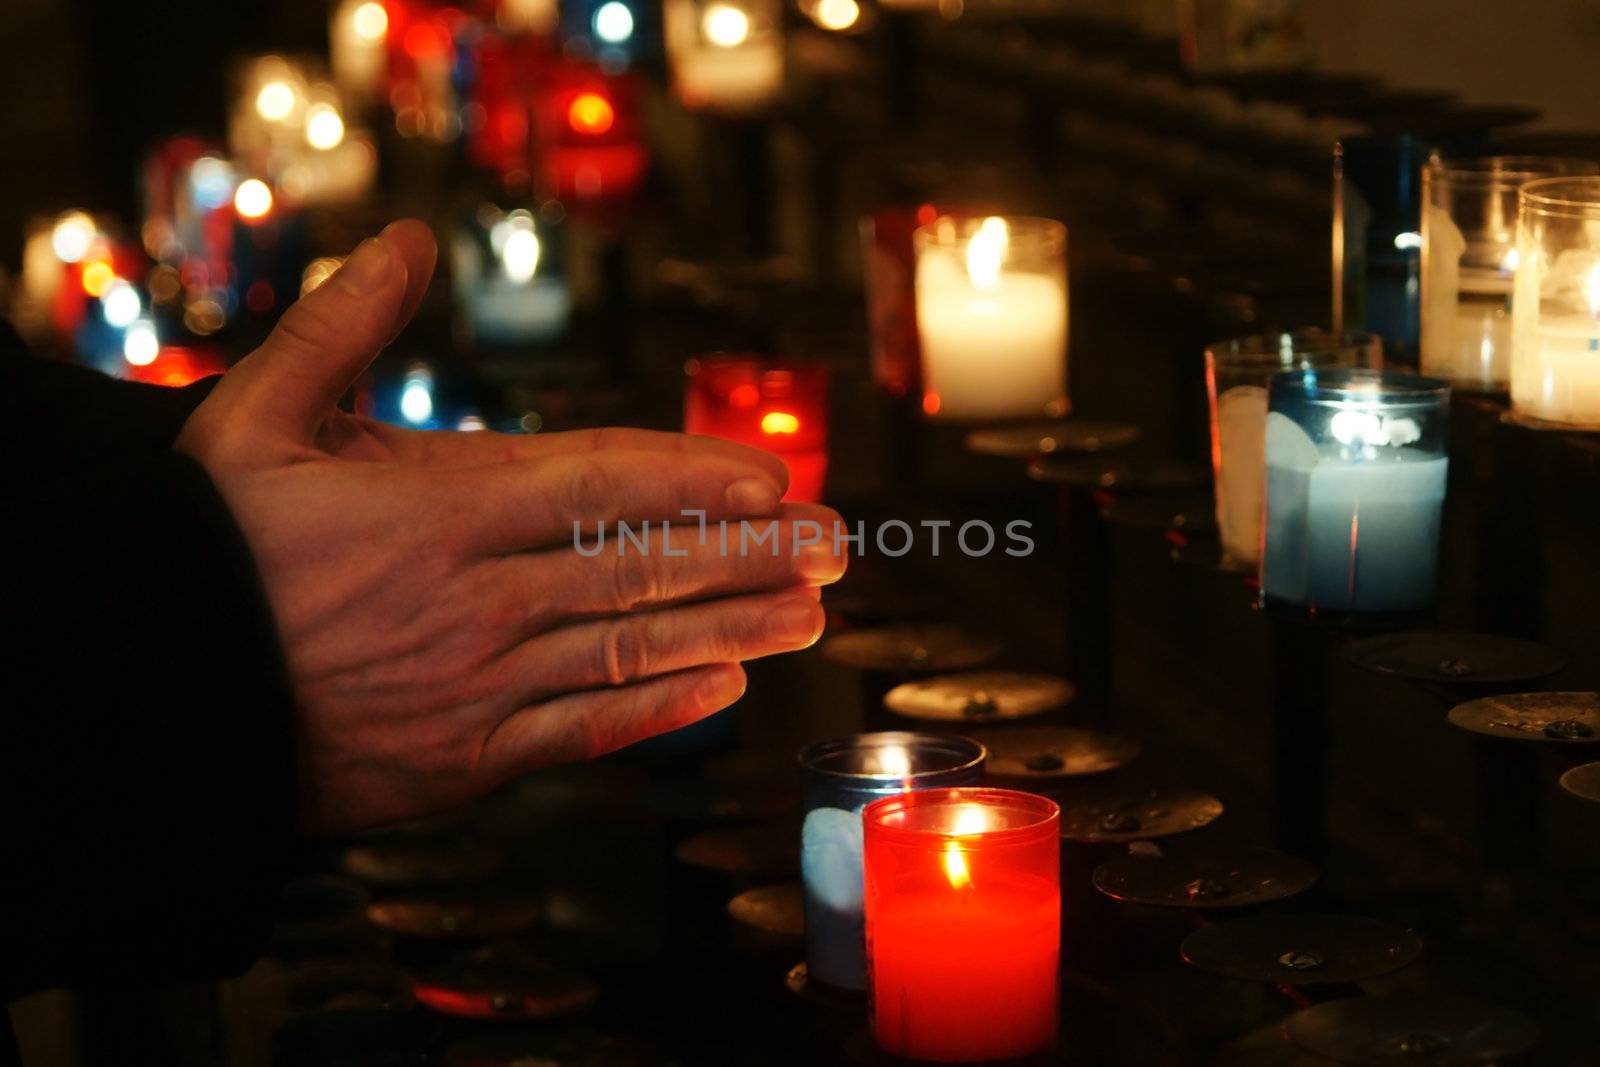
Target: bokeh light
[[725, 26], [253, 200], [613, 22]]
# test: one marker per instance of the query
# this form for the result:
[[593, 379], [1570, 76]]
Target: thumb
[[322, 344]]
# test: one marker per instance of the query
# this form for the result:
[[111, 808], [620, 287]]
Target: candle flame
[[987, 251], [775, 423], [892, 760], [969, 820]]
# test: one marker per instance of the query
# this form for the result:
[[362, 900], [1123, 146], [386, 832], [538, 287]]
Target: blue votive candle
[[841, 777], [1355, 484]]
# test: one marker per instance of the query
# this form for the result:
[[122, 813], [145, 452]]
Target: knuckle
[[591, 489], [306, 326], [623, 654], [635, 580]]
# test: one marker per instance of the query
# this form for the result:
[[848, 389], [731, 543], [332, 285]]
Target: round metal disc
[[1554, 718], [1301, 949], [979, 696], [1189, 513], [764, 849], [1027, 440], [775, 909], [457, 916], [1583, 782], [1138, 816], [492, 984], [1465, 658], [537, 1047], [1045, 752], [911, 649], [1230, 878], [1127, 475], [1433, 1028], [406, 863]]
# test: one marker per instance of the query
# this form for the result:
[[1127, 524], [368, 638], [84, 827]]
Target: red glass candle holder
[[592, 142], [775, 405], [888, 266], [963, 904]]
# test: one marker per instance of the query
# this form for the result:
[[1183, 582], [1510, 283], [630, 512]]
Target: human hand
[[442, 633]]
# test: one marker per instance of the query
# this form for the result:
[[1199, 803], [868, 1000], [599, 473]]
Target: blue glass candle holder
[[1356, 469], [841, 777], [1377, 239]]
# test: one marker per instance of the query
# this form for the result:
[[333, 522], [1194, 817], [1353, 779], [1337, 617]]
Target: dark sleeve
[[146, 742]]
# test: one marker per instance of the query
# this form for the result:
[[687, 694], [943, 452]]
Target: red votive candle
[[776, 405], [963, 907]]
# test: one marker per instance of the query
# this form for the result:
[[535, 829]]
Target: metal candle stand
[[1085, 539], [1452, 665], [886, 656]]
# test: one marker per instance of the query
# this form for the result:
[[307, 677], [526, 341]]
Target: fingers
[[626, 649], [585, 725], [330, 335], [412, 240], [574, 500], [447, 448], [535, 591]]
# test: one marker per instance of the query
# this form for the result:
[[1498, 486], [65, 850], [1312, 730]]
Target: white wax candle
[[1241, 444], [1351, 534], [993, 346], [1466, 319], [1562, 381], [1466, 334], [1556, 373]]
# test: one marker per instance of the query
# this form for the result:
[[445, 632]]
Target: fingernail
[[725, 686], [798, 620], [366, 270], [752, 496], [819, 563]]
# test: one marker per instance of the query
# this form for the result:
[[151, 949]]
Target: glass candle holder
[[841, 777], [1555, 316], [507, 276], [776, 405], [725, 55], [1377, 241], [992, 317], [1356, 470], [1469, 262], [963, 923], [592, 146], [1238, 372]]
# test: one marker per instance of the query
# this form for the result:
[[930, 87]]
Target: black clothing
[[147, 750]]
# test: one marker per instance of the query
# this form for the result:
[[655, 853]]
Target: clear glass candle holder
[[777, 405], [1469, 263], [841, 777], [725, 55], [991, 297], [963, 901], [508, 277], [1356, 470], [1238, 372], [1555, 314]]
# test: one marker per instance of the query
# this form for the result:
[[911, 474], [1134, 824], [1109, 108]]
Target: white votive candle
[[992, 318]]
